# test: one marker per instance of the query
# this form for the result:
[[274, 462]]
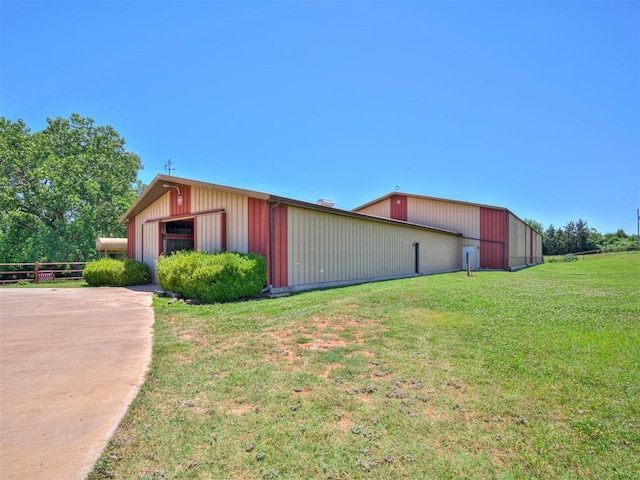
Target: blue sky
[[530, 105]]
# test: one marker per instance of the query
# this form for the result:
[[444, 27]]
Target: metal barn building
[[306, 245], [493, 237]]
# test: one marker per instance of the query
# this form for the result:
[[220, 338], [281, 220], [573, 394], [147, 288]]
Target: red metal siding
[[258, 226], [185, 208], [258, 230], [399, 207], [280, 265], [494, 238], [131, 238]]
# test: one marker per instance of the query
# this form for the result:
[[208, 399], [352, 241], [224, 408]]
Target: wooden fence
[[40, 271]]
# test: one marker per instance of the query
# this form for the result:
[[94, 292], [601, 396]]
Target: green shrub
[[116, 273], [213, 277]]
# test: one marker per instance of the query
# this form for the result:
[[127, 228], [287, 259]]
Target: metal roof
[[352, 214], [447, 200], [156, 189], [425, 197]]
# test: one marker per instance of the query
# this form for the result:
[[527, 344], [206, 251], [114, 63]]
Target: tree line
[[65, 186], [576, 237]]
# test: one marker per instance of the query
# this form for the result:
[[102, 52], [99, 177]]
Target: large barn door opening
[[177, 235]]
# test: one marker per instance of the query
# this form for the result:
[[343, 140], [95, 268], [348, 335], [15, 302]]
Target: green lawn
[[531, 374]]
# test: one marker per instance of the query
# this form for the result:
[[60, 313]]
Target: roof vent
[[325, 203]]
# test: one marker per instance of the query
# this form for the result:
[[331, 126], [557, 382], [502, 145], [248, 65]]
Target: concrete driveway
[[71, 362]]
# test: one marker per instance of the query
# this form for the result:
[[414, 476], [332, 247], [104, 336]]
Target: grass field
[[531, 374]]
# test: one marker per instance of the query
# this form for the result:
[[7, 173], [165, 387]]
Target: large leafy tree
[[61, 188]]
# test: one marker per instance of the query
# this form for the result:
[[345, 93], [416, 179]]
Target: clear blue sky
[[530, 105]]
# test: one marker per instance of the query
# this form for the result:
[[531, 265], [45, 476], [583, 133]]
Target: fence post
[[35, 280]]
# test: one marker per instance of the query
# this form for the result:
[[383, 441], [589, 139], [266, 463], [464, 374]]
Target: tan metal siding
[[380, 209], [538, 247], [443, 253], [236, 208], [331, 248], [209, 232], [280, 246], [150, 246], [456, 217], [147, 233], [518, 242]]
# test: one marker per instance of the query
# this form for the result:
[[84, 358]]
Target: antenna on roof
[[169, 166]]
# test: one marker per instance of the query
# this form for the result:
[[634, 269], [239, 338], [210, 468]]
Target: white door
[[470, 254]]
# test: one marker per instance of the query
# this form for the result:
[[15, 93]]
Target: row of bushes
[[210, 277]]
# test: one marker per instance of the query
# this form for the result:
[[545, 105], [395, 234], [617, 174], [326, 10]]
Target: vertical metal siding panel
[[294, 253], [457, 217], [185, 208], [328, 248], [258, 226], [209, 234], [445, 253], [291, 254], [517, 239], [540, 245], [493, 235], [532, 246], [131, 238], [314, 253], [379, 209], [280, 248], [223, 230], [308, 250], [147, 238], [300, 261], [150, 246], [235, 230], [312, 250], [138, 243], [513, 241], [303, 249], [323, 256], [200, 234], [399, 207]]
